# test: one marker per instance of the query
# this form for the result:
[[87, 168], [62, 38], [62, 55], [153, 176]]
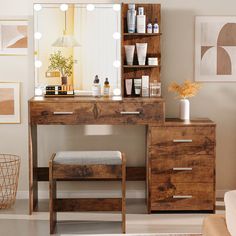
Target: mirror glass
[[85, 37]]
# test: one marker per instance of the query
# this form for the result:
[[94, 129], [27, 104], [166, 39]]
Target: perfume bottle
[[106, 88], [156, 27], [149, 27], [96, 89]]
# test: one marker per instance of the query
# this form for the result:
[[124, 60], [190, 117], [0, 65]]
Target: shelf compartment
[[142, 34]]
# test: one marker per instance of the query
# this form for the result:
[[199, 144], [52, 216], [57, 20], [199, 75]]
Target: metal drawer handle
[[63, 113], [182, 196], [182, 168], [130, 112], [182, 140]]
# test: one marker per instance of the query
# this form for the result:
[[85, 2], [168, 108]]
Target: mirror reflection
[[76, 42]]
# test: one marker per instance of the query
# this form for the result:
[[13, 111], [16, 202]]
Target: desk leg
[[33, 164]]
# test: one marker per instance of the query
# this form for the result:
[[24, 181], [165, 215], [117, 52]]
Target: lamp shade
[[67, 41]]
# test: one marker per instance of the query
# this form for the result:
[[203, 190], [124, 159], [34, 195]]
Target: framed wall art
[[9, 102], [13, 37], [215, 48]]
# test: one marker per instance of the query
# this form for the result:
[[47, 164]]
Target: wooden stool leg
[[123, 194], [53, 191]]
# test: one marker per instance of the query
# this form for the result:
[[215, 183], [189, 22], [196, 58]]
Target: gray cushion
[[89, 157]]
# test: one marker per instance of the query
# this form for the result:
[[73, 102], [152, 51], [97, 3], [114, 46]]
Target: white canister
[[153, 61], [184, 109]]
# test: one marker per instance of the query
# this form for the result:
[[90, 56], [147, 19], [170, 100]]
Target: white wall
[[216, 100]]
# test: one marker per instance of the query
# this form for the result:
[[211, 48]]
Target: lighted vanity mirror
[[86, 35]]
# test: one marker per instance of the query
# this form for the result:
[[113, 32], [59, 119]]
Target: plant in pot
[[184, 91], [58, 62]]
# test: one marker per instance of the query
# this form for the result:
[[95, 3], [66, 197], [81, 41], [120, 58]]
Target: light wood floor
[[16, 221]]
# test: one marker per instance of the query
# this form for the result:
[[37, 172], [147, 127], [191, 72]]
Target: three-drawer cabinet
[[181, 166]]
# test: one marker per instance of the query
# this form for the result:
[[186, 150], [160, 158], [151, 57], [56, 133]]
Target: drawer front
[[182, 196], [170, 137], [131, 112], [182, 168], [62, 113]]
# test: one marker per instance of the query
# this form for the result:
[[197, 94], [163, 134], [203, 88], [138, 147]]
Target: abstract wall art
[[13, 37], [215, 48], [9, 102]]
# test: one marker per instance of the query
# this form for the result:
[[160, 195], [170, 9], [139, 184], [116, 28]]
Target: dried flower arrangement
[[186, 90]]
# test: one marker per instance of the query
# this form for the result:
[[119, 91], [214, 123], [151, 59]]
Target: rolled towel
[[230, 209]]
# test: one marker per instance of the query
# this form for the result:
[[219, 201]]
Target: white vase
[[184, 109]]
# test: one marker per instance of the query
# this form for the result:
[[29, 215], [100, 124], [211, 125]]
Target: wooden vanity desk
[[84, 111], [180, 160]]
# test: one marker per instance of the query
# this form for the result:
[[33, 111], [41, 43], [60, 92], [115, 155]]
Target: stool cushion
[[89, 157]]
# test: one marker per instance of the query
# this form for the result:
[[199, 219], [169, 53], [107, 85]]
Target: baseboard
[[84, 194], [104, 193]]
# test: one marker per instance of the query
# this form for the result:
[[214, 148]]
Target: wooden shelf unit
[[152, 11]]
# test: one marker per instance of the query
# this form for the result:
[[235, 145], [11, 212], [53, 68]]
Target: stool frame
[[76, 172]]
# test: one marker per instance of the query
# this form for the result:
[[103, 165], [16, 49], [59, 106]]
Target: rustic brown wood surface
[[182, 166], [88, 204], [190, 136], [185, 169], [96, 113], [52, 197], [197, 196], [72, 171], [152, 11], [132, 174]]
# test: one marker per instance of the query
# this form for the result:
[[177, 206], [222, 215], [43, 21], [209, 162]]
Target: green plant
[[57, 62]]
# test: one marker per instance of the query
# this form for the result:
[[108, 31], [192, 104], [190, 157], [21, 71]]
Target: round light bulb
[[37, 7], [90, 7], [116, 7], [38, 63], [117, 92], [116, 35], [38, 92], [64, 7], [37, 35], [116, 64]]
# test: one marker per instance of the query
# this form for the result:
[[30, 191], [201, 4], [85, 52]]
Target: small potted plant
[[58, 62], [184, 91]]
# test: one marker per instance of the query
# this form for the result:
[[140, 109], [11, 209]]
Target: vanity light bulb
[[37, 7], [90, 7], [37, 35], [116, 7], [116, 63], [116, 35], [64, 7], [38, 64], [117, 92]]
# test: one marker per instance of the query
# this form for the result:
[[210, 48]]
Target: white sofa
[[220, 225]]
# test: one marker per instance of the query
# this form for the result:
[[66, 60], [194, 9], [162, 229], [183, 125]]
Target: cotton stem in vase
[[184, 91]]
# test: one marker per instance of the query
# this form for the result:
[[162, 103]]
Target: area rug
[[161, 234]]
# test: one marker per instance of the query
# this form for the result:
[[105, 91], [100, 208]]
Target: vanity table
[[180, 156], [180, 160]]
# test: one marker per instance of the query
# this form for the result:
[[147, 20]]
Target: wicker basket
[[9, 175]]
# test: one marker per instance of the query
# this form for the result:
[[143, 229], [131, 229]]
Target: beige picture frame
[[9, 102], [215, 48], [13, 37]]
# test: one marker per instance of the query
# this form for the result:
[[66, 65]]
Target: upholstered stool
[[86, 165]]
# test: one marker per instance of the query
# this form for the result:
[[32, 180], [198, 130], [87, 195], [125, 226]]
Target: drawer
[[183, 168], [182, 196], [62, 113], [131, 112], [169, 137]]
